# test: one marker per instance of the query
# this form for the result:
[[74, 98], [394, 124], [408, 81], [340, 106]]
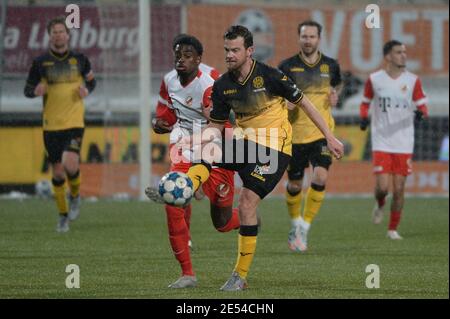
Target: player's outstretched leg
[[179, 237]]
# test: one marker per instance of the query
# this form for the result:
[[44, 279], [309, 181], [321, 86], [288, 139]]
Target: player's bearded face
[[398, 56], [186, 59], [59, 38], [309, 40], [235, 53]]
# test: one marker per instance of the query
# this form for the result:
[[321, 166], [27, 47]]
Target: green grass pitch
[[123, 251]]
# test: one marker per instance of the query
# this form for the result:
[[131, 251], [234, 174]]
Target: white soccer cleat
[[74, 207], [190, 245], [377, 214], [235, 283], [153, 194], [297, 239], [393, 234], [184, 282], [63, 224]]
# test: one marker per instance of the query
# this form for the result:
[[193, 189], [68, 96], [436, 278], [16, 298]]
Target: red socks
[[395, 220], [179, 237], [233, 223]]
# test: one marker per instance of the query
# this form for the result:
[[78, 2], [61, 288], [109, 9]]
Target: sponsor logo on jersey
[[48, 63], [189, 100], [297, 70], [73, 61], [230, 91], [324, 68], [258, 82]]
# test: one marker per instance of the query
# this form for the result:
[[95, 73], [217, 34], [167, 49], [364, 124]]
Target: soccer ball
[[176, 189], [43, 189]]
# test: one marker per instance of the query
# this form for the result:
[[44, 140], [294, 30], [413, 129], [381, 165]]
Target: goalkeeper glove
[[364, 123]]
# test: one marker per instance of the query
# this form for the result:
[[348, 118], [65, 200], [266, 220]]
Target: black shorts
[[316, 153], [57, 142], [259, 173]]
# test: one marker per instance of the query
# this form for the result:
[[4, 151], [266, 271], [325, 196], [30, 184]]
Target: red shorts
[[219, 187], [391, 163]]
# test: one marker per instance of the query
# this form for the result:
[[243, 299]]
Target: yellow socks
[[60, 196], [74, 184], [198, 173], [293, 202], [246, 249], [314, 199]]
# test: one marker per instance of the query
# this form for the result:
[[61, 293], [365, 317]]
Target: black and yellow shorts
[[260, 167], [57, 142], [316, 153]]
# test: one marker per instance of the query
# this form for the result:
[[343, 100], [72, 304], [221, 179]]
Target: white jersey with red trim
[[393, 102]]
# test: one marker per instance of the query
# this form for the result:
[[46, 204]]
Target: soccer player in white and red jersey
[[183, 106], [397, 99]]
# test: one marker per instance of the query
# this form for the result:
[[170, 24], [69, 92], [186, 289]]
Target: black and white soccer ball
[[43, 188], [176, 189]]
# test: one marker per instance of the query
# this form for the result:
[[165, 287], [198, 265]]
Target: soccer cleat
[[154, 195], [377, 214], [74, 207], [63, 224], [297, 239], [184, 282], [392, 234], [235, 283], [191, 246]]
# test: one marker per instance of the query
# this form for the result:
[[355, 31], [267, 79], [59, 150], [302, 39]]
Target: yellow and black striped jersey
[[259, 104], [315, 80], [63, 75]]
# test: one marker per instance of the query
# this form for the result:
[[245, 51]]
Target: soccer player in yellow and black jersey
[[63, 78], [318, 76], [256, 93]]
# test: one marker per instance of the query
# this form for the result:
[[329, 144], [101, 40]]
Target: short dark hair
[[187, 39], [387, 48], [57, 20], [239, 31], [310, 23]]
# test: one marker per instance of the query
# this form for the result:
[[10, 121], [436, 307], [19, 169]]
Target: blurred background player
[[397, 100], [318, 76], [63, 78], [256, 93], [184, 103]]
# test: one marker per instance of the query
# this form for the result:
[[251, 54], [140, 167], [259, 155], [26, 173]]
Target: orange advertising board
[[424, 30], [345, 178]]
